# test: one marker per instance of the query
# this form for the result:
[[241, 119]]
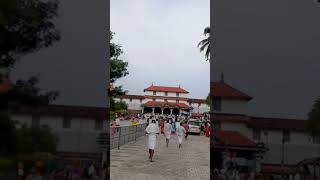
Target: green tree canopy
[[118, 66], [313, 123], [25, 27], [118, 70]]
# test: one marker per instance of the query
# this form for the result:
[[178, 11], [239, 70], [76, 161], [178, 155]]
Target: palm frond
[[206, 31], [204, 45]]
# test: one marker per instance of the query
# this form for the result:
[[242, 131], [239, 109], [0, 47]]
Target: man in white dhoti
[[152, 130], [167, 131], [181, 131]]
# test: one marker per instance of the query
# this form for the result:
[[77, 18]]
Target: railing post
[[119, 137], [135, 134]]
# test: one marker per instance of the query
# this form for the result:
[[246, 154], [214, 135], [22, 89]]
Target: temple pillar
[[153, 111], [171, 111], [162, 109], [142, 111]]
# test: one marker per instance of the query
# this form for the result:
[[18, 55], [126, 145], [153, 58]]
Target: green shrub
[[7, 165]]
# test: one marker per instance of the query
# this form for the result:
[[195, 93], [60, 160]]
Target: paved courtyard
[[131, 161]]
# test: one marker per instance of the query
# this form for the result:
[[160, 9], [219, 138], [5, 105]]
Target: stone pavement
[[191, 162]]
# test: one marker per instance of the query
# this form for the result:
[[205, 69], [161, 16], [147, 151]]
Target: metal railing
[[120, 135]]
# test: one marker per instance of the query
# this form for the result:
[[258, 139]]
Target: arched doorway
[[157, 110], [176, 111], [166, 111], [147, 110]]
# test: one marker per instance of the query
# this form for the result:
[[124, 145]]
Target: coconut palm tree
[[204, 45]]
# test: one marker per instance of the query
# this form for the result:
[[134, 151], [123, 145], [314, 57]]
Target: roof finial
[[222, 78], [152, 84], [179, 85]]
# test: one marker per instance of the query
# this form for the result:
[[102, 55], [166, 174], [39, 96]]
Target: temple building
[[164, 100], [262, 144]]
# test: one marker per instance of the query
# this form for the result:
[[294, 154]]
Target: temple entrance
[[176, 111], [157, 110], [147, 110], [166, 111]]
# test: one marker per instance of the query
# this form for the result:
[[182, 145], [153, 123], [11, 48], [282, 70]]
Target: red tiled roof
[[278, 169], [277, 124], [233, 138], [168, 98], [162, 104], [166, 89], [5, 86], [131, 96], [222, 90]]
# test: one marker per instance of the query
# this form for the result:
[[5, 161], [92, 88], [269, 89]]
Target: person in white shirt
[[177, 124], [167, 131], [152, 130], [91, 170], [181, 131], [117, 122]]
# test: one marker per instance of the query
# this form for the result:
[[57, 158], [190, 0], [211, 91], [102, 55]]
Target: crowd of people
[[168, 125], [69, 172]]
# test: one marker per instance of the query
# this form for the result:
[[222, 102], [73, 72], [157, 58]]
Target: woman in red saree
[[207, 130], [162, 126]]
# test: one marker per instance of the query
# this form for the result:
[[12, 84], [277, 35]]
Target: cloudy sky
[[159, 39], [76, 65], [271, 50]]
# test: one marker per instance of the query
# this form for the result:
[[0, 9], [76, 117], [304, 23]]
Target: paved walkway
[[190, 162]]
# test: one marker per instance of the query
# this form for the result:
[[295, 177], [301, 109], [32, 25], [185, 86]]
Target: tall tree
[[204, 44], [313, 123], [118, 66], [118, 70], [25, 27]]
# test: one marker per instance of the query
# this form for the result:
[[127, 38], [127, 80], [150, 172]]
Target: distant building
[[164, 100]]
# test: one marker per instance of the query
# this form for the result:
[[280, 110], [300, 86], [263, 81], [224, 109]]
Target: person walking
[[181, 131], [114, 127], [91, 170], [186, 127], [152, 130], [207, 130], [167, 131], [202, 130], [173, 128], [162, 122]]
